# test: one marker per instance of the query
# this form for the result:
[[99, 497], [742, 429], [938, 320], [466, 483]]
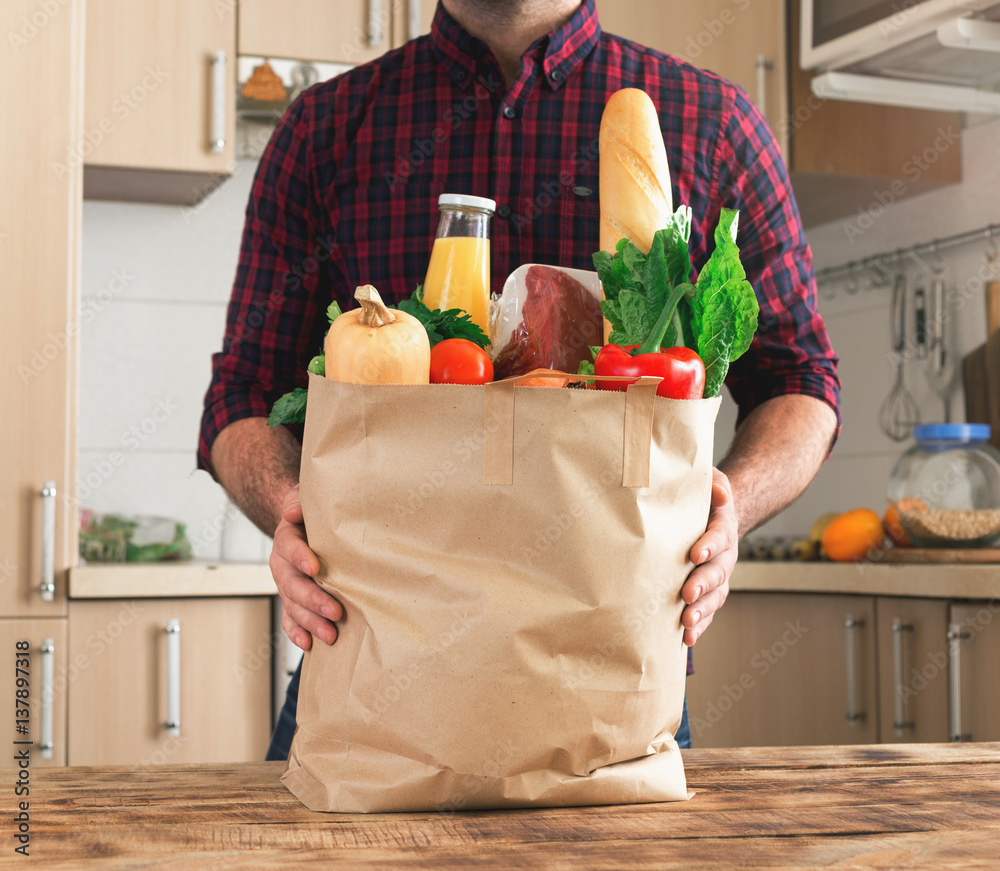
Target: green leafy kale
[[718, 321], [290, 408], [452, 323]]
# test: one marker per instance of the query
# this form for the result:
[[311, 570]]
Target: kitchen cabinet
[[805, 668], [784, 669], [34, 670], [973, 654], [141, 665], [844, 159], [160, 99], [334, 31], [39, 271]]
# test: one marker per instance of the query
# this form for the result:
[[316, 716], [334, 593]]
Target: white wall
[[157, 278]]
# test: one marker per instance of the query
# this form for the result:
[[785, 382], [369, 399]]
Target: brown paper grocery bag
[[509, 561]]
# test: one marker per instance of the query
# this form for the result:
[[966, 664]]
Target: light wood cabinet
[[843, 158], [26, 645], [159, 117], [742, 41], [974, 655], [912, 669], [120, 694], [39, 272], [785, 669], [333, 31]]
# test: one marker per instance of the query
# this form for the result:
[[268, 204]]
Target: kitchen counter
[[945, 581], [169, 579], [899, 806], [932, 580]]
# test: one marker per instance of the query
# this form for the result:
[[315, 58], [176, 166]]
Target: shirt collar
[[567, 46]]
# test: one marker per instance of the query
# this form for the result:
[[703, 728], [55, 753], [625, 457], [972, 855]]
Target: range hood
[[953, 65]]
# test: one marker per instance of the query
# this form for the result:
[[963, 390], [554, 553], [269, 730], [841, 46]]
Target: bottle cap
[[466, 202], [952, 432]]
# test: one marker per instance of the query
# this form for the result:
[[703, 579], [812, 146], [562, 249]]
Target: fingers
[[308, 609], [723, 528]]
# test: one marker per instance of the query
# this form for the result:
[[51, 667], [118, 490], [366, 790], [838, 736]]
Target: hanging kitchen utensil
[[899, 412], [920, 322], [940, 365]]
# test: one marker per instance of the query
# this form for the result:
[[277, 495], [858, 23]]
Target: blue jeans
[[281, 740]]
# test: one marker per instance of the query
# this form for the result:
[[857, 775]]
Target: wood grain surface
[[885, 806]]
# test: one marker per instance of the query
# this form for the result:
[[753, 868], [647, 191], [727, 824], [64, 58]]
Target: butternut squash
[[377, 345]]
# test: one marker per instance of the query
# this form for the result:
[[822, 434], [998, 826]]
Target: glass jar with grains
[[946, 487]]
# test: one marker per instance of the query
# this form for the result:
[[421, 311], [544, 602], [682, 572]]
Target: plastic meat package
[[547, 317]]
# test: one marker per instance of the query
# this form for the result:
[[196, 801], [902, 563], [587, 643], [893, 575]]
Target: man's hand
[[714, 555], [308, 610]]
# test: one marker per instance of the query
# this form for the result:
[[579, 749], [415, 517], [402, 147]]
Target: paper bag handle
[[498, 458]]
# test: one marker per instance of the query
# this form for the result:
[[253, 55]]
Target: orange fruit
[[852, 535], [537, 378], [893, 528]]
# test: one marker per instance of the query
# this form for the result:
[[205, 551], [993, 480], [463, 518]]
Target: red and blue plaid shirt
[[346, 194]]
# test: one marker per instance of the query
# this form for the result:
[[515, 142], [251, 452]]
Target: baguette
[[635, 178]]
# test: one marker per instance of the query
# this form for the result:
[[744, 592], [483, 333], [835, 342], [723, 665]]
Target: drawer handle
[[45, 745], [899, 721], [854, 716], [173, 723], [47, 589], [414, 19], [762, 66], [956, 635], [374, 23], [217, 138]]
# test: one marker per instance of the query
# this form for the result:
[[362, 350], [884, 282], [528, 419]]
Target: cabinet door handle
[[851, 624], [956, 635], [374, 23], [217, 138], [173, 723], [899, 721], [45, 690], [47, 588], [414, 19], [762, 65]]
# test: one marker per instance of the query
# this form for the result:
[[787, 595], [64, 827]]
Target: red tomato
[[459, 361]]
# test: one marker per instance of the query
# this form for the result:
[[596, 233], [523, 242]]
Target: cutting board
[[981, 370], [940, 555]]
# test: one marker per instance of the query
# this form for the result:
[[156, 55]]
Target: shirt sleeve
[[271, 325], [791, 351]]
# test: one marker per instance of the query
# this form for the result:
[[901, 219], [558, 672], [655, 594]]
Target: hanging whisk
[[899, 412]]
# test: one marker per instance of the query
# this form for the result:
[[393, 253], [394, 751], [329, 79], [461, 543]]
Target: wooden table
[[886, 806]]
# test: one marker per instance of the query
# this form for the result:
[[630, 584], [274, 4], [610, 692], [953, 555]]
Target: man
[[503, 99]]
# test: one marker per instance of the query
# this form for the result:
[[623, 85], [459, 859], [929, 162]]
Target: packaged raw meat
[[546, 318]]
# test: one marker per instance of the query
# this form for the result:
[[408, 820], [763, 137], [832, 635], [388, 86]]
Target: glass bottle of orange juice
[[459, 272]]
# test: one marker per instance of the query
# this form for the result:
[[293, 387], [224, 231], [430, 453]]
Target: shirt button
[[503, 211], [557, 75], [509, 112], [460, 75]]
